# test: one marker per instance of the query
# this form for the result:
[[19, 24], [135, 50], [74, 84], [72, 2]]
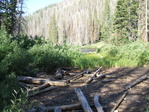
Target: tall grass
[[128, 55]]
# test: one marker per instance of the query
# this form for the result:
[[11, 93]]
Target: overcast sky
[[33, 5]]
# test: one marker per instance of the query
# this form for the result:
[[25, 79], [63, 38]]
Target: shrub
[[48, 57]]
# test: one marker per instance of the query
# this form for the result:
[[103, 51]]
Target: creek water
[[88, 50]]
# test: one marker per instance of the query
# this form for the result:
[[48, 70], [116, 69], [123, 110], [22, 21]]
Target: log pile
[[45, 85]]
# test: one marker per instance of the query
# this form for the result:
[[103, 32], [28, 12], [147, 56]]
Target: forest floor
[[109, 92]]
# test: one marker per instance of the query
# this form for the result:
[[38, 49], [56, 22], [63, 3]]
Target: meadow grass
[[129, 55]]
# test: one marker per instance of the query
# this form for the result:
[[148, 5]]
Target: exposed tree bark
[[97, 104], [41, 91], [136, 81], [83, 100], [40, 87], [41, 81], [119, 101], [76, 76], [107, 80], [92, 78]]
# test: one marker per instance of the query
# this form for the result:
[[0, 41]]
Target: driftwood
[[59, 74], [83, 100], [40, 87], [136, 81], [70, 107], [107, 80], [92, 78], [57, 109], [111, 76], [97, 104], [76, 76], [41, 81], [41, 91], [119, 101]]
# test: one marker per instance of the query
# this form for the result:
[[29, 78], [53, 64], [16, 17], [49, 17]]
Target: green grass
[[129, 55]]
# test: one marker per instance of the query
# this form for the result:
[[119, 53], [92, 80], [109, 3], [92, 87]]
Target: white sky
[[31, 6]]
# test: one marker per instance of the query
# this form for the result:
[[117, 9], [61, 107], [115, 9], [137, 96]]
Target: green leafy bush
[[48, 57]]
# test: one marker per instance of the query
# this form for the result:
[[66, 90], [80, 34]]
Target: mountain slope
[[74, 22]]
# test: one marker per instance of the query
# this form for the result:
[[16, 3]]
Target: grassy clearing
[[129, 55]]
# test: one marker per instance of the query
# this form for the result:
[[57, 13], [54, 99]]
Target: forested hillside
[[75, 22]]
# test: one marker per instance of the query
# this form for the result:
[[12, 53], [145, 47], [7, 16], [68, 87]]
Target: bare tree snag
[[41, 91], [136, 81], [76, 76], [41, 81], [92, 78], [83, 100], [59, 74], [40, 87], [97, 104], [57, 109], [119, 101]]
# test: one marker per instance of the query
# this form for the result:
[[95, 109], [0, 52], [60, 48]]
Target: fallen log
[[111, 76], [83, 100], [40, 87], [107, 80], [34, 80], [92, 78], [24, 85], [70, 107], [76, 76], [59, 74], [136, 81], [41, 91], [97, 104], [57, 109], [119, 101]]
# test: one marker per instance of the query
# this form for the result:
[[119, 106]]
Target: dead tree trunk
[[119, 101], [136, 81], [76, 76], [83, 100], [41, 81], [92, 78], [97, 104], [59, 74], [41, 91]]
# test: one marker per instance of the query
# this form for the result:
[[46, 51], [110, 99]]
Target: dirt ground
[[109, 92]]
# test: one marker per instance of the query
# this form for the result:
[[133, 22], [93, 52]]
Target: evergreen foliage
[[126, 20]]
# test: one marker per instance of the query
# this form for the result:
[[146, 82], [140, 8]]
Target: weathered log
[[41, 91], [76, 76], [41, 81], [111, 76], [92, 78], [97, 104], [24, 85], [119, 101], [40, 87], [70, 107], [57, 109], [59, 74], [107, 80], [136, 81], [83, 100]]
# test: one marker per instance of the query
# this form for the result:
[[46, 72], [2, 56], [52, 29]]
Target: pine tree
[[125, 22]]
